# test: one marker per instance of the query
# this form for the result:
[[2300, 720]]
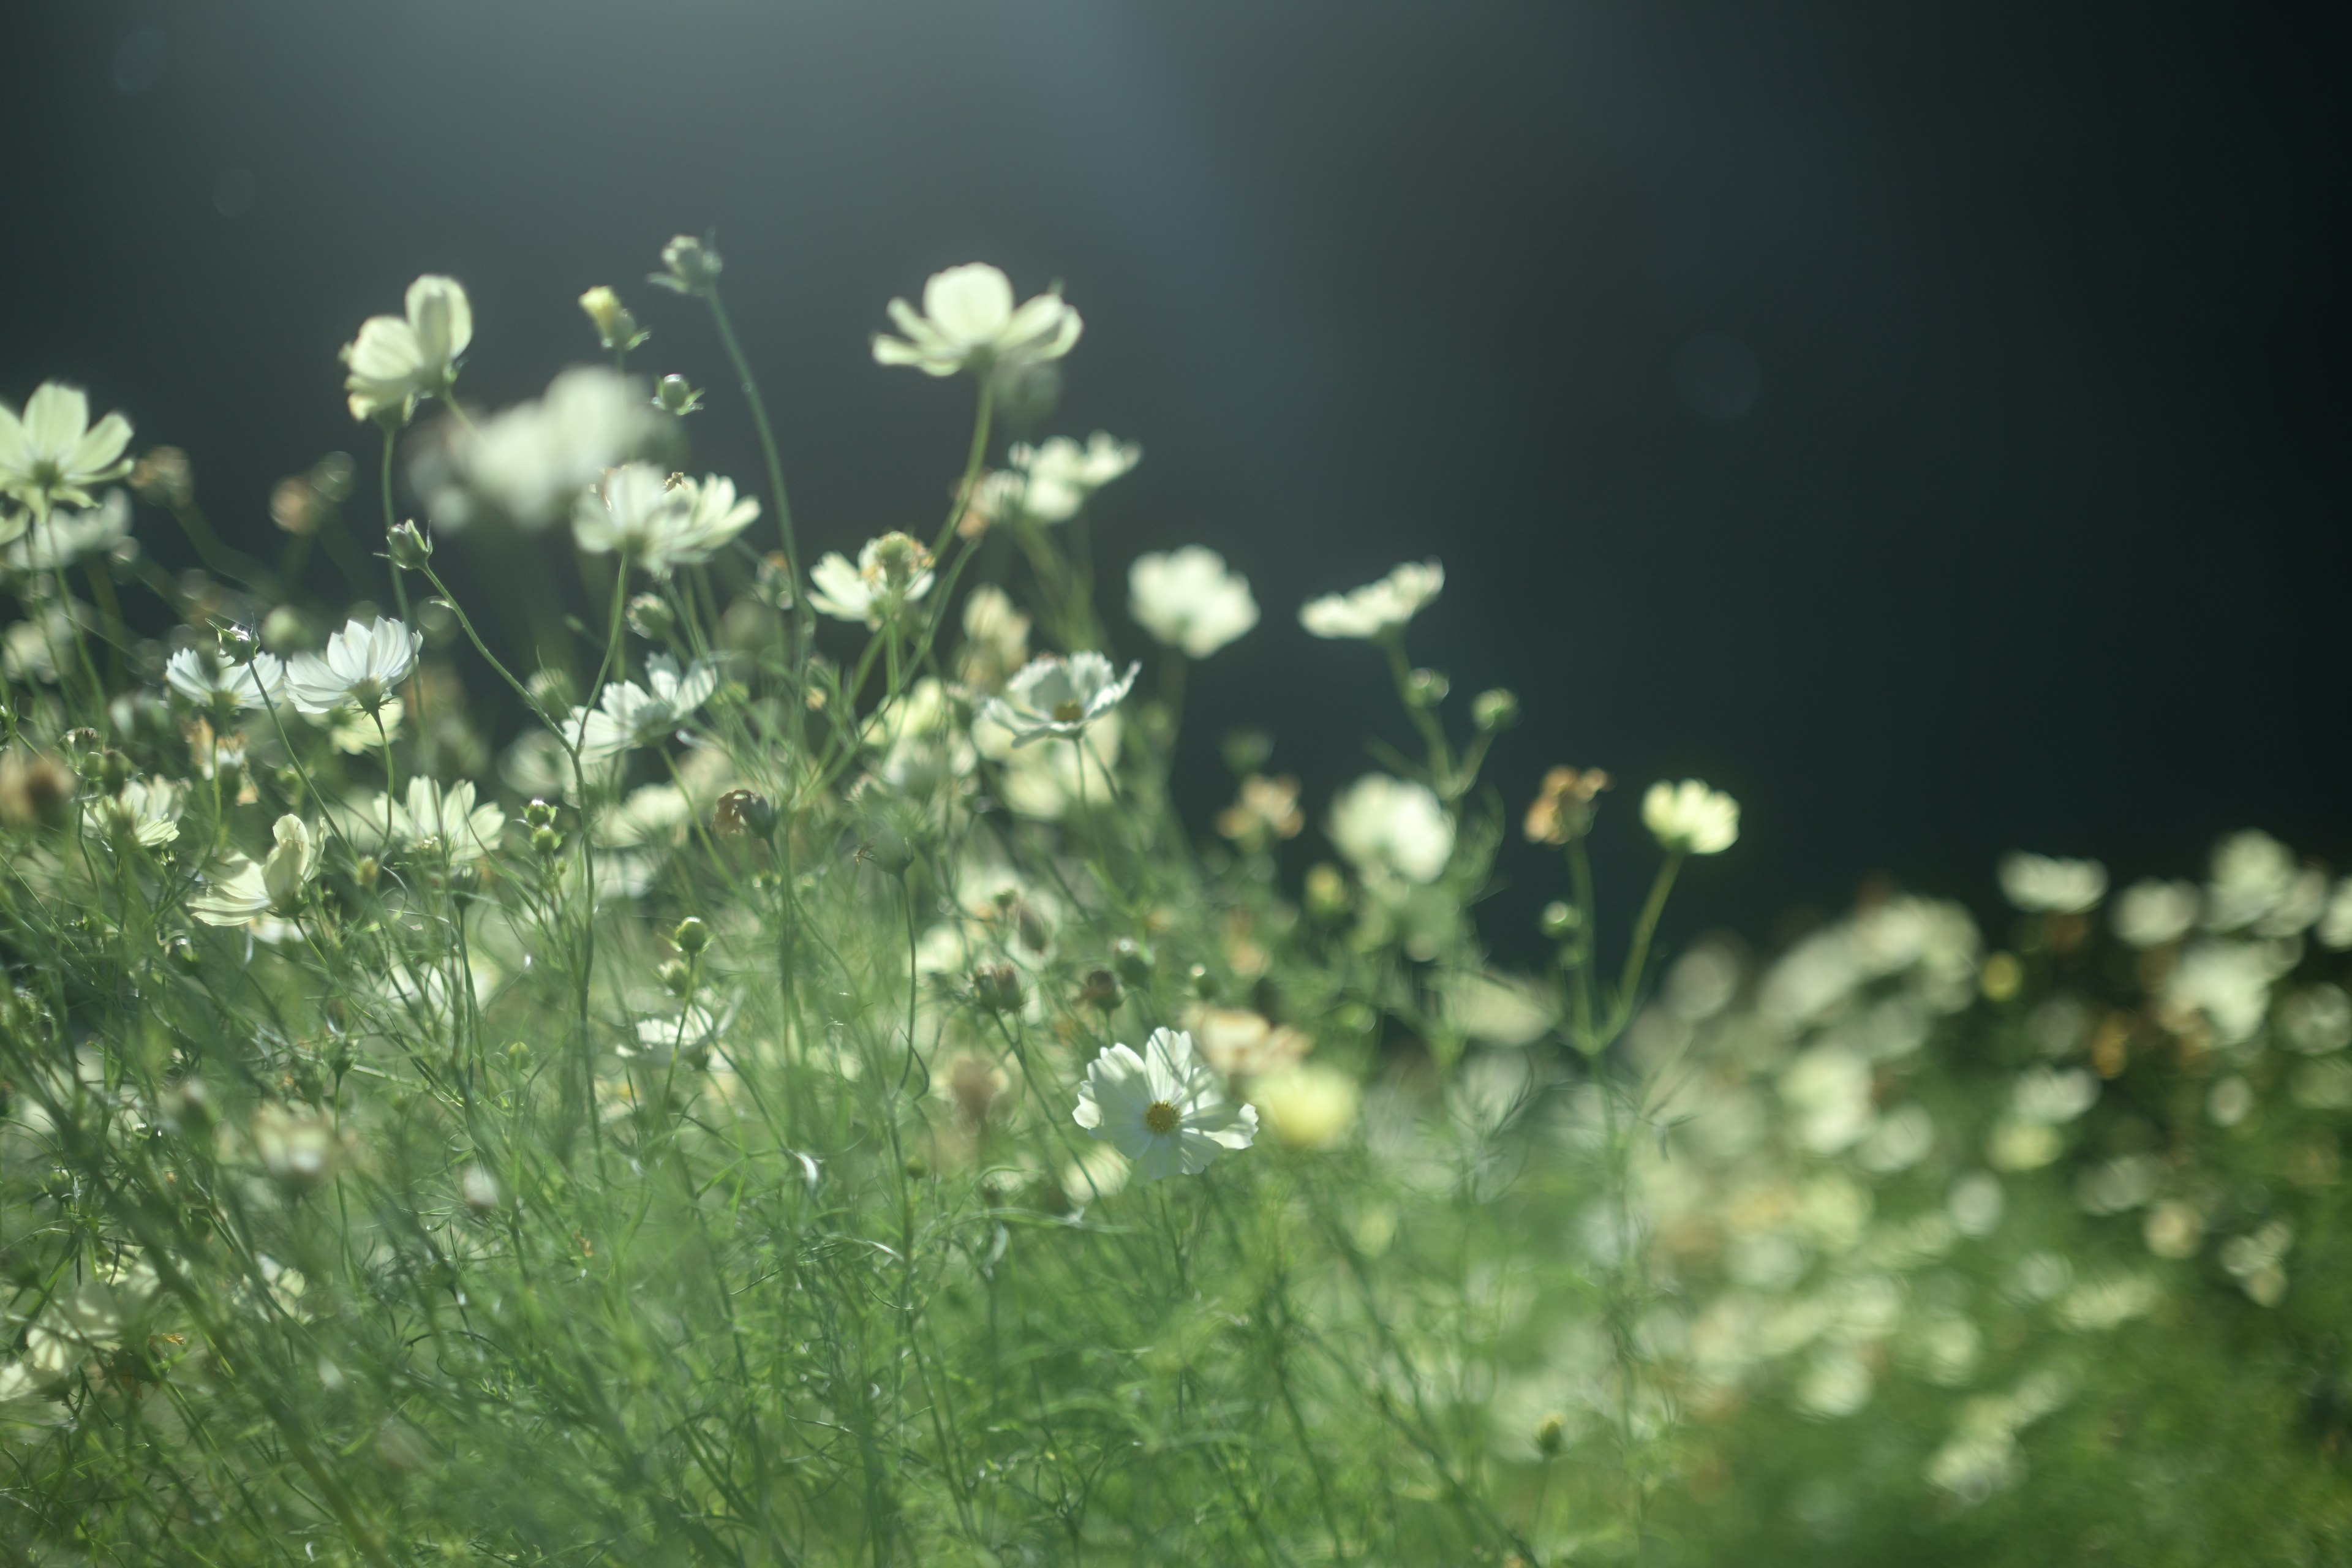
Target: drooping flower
[[892, 571], [630, 715], [1689, 818], [245, 890], [1059, 697], [1392, 826], [2040, 884], [969, 322], [362, 666], [65, 537], [1376, 609], [52, 454], [1165, 1109], [146, 811], [395, 362], [1189, 599], [1051, 480], [226, 689]]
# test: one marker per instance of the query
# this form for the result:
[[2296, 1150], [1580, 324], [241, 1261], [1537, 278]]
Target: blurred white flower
[[1165, 1109], [1052, 480], [1189, 599], [144, 811], [225, 688], [2227, 982], [969, 322], [396, 362], [297, 1145], [362, 666], [1689, 818], [53, 453], [2256, 884], [1307, 1106], [2150, 914], [1378, 608], [1391, 825], [529, 463], [2335, 924], [629, 715], [1059, 697], [997, 638], [2040, 884], [62, 538], [892, 572], [245, 890]]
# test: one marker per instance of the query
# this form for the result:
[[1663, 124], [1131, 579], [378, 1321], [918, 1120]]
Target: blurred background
[[1926, 422]]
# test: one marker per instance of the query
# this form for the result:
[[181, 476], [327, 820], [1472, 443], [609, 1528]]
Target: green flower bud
[[650, 617], [1132, 961], [1426, 688], [742, 811], [1099, 989], [546, 840], [539, 814], [1560, 919], [675, 977], [997, 987], [409, 547], [1551, 1436], [691, 265], [1495, 710], [676, 395], [692, 937], [616, 327]]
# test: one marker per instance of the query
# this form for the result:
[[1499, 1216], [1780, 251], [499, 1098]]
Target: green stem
[[759, 407]]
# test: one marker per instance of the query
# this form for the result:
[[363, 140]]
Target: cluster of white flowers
[[1377, 609]]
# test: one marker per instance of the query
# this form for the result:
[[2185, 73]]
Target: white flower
[[1052, 480], [531, 461], [660, 521], [1307, 1106], [144, 811], [429, 816], [2037, 884], [65, 537], [714, 516], [1378, 608], [969, 322], [1689, 818], [2151, 913], [1190, 599], [1391, 825], [225, 686], [631, 715], [892, 571], [245, 890], [1059, 697], [1166, 1109], [362, 666], [393, 363], [2257, 884], [52, 453]]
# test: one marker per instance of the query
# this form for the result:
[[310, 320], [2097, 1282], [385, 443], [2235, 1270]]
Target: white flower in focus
[[449, 818], [52, 453], [1378, 608], [1165, 1109], [144, 811], [2152, 913], [2040, 884], [1052, 480], [64, 537], [969, 322], [892, 571], [1390, 825], [1689, 818], [630, 715], [393, 363], [247, 892], [225, 688], [1190, 599], [715, 514], [362, 666], [1059, 697]]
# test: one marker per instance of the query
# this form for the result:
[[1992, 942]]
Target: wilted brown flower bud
[[163, 478], [1563, 807]]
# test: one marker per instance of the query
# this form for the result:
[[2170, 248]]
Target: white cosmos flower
[[1392, 826], [892, 571], [393, 363], [1166, 1109], [427, 815], [2040, 884], [1052, 480], [65, 537], [969, 322], [1059, 697], [247, 892], [1689, 818], [660, 521], [630, 715], [2150, 914], [1190, 599], [530, 462], [1376, 609], [144, 811], [225, 688], [52, 453], [362, 666]]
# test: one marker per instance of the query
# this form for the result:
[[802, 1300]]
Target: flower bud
[[676, 978], [1204, 985], [366, 871], [546, 840], [650, 617], [410, 547], [237, 642], [676, 395], [691, 267], [997, 987], [1099, 989], [551, 688], [1131, 960], [1326, 891], [692, 937], [745, 811], [1551, 1436], [1426, 688], [1560, 919], [539, 814], [900, 558], [615, 328], [113, 770], [1495, 709]]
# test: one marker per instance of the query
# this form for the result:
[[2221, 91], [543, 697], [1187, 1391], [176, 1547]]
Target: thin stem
[[760, 421]]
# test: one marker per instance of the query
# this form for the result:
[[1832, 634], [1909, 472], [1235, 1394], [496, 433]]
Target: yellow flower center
[[1069, 711], [1160, 1117]]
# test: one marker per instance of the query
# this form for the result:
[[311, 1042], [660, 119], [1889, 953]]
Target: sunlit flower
[[245, 890], [1564, 808], [529, 463], [2152, 913], [1059, 697], [660, 521], [449, 818], [1189, 599], [969, 322], [52, 454], [2228, 983], [1393, 825], [630, 715], [892, 571], [1052, 480], [2257, 885], [1689, 818], [64, 537], [715, 514], [1376, 609], [1165, 1109], [2040, 884], [362, 666], [226, 689], [393, 363], [1307, 1106], [145, 812]]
